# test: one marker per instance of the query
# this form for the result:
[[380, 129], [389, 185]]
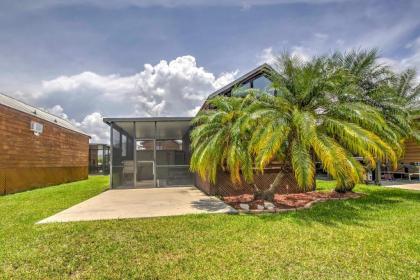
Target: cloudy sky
[[86, 59]]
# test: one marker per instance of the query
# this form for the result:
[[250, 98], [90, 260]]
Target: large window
[[115, 138], [261, 83], [124, 145], [122, 154]]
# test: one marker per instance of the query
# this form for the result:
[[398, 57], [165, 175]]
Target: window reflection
[[261, 83]]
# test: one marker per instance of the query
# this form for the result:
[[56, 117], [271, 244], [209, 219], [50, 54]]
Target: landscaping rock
[[285, 202], [268, 205], [244, 206]]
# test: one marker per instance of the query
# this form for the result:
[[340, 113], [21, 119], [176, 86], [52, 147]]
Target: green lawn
[[377, 236]]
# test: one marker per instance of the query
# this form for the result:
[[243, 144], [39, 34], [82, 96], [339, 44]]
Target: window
[[262, 83], [124, 146], [115, 138], [100, 157]]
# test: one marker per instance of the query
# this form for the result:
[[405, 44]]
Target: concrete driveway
[[142, 203]]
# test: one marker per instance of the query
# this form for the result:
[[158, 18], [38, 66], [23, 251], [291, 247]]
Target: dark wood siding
[[58, 154], [412, 152]]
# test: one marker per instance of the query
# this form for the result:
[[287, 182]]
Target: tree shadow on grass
[[350, 212]]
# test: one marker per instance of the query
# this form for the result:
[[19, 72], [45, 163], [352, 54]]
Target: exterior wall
[[412, 152], [27, 161], [224, 186]]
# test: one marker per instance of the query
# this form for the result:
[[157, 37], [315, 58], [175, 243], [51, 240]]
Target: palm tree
[[407, 89], [407, 96], [309, 117], [396, 96], [218, 141]]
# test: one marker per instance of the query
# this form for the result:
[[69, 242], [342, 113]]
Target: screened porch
[[150, 152]]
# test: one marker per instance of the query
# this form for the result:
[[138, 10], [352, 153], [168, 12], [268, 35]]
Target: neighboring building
[[99, 159], [38, 149], [411, 153], [155, 152], [412, 148]]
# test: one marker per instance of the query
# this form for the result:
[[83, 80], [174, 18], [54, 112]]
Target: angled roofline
[[146, 119], [25, 108], [263, 68]]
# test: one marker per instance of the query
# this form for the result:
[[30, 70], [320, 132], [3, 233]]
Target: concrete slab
[[141, 203], [410, 186]]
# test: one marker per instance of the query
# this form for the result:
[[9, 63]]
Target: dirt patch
[[284, 202]]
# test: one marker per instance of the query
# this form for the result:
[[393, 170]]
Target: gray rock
[[268, 205], [260, 207], [244, 206]]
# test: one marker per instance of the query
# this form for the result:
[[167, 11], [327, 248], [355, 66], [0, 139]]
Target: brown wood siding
[[412, 152], [56, 147], [225, 187]]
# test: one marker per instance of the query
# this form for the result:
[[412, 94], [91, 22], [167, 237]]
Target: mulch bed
[[284, 202]]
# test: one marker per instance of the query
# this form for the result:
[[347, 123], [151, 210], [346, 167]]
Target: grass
[[377, 236]]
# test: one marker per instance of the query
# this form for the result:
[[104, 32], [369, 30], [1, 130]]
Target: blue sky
[[86, 59]]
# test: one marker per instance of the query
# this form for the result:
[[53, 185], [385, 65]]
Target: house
[[37, 148], [411, 153], [99, 159], [155, 152]]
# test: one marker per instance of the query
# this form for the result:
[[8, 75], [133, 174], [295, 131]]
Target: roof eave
[[146, 119]]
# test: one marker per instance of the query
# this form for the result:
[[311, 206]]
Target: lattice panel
[[225, 187]]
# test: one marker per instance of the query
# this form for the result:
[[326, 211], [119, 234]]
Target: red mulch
[[243, 198], [253, 205], [288, 201]]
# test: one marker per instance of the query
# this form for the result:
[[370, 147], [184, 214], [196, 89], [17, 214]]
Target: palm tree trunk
[[314, 161], [343, 187], [269, 193]]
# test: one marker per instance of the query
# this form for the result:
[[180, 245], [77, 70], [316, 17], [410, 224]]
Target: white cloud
[[339, 42], [58, 111], [410, 61], [175, 88], [92, 124], [321, 36], [267, 56], [97, 129], [303, 53]]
